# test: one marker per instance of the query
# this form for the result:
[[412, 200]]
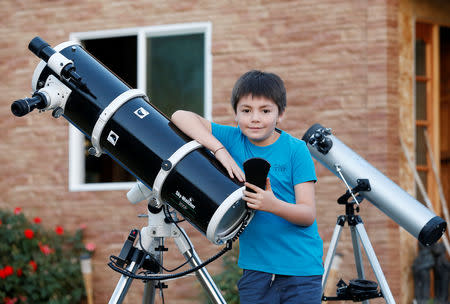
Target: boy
[[280, 250]]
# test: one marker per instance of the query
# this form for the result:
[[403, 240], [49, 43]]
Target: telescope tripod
[[149, 249], [359, 290]]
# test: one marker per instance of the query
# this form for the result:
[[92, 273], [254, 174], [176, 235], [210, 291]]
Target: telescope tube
[[387, 196], [140, 138]]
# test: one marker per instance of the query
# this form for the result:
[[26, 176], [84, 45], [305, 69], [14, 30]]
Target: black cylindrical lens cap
[[432, 231]]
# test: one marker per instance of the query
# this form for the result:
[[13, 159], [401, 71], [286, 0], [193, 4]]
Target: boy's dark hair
[[260, 84]]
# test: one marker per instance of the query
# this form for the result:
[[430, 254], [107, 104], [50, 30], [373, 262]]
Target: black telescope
[[387, 196], [121, 122]]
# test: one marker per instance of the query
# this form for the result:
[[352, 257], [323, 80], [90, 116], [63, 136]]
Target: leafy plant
[[227, 280], [38, 265]]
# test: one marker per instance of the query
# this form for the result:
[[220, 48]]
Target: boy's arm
[[200, 129], [302, 213]]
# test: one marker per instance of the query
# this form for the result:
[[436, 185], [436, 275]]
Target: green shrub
[[38, 265], [226, 281]]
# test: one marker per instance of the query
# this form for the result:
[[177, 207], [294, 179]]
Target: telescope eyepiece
[[41, 48], [24, 106]]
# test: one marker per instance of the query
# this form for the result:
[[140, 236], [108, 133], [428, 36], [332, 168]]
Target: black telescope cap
[[256, 170], [432, 231], [310, 132]]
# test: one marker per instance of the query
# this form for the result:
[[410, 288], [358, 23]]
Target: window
[[432, 71], [423, 98], [172, 64]]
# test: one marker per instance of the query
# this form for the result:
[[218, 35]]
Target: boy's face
[[257, 118]]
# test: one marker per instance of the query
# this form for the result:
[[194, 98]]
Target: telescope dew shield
[[387, 196], [140, 138]]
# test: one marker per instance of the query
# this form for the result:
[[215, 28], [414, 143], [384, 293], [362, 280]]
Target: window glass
[[175, 73], [119, 55], [421, 148], [420, 58], [421, 100], [423, 177]]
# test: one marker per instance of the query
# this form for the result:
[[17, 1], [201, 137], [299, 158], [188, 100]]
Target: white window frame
[[76, 138]]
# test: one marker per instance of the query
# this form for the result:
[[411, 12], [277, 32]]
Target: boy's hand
[[230, 165], [263, 200]]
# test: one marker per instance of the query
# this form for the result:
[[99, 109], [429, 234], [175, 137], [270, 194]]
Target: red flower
[[17, 210], [28, 233], [90, 247], [8, 270], [2, 273], [33, 265], [10, 300], [59, 230], [19, 272], [37, 220], [45, 249], [1, 222]]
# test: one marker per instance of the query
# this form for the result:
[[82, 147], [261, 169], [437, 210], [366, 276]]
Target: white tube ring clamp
[[57, 62], [108, 112], [169, 164]]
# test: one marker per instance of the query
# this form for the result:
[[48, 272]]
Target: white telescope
[[387, 196]]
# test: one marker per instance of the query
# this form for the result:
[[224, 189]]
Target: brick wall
[[338, 60]]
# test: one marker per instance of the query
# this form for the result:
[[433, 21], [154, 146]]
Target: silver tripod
[[152, 240], [358, 233]]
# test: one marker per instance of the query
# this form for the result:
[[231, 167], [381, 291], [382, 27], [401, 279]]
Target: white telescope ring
[[174, 159], [57, 62], [212, 232], [213, 226], [108, 112]]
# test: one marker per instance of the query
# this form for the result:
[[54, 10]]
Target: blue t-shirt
[[270, 243]]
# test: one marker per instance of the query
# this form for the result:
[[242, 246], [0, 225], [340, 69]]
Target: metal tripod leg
[[150, 286], [370, 253], [357, 254], [358, 257], [125, 282], [187, 250], [122, 286], [332, 249]]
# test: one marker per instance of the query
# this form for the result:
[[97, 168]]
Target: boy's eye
[[266, 111], [246, 110]]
